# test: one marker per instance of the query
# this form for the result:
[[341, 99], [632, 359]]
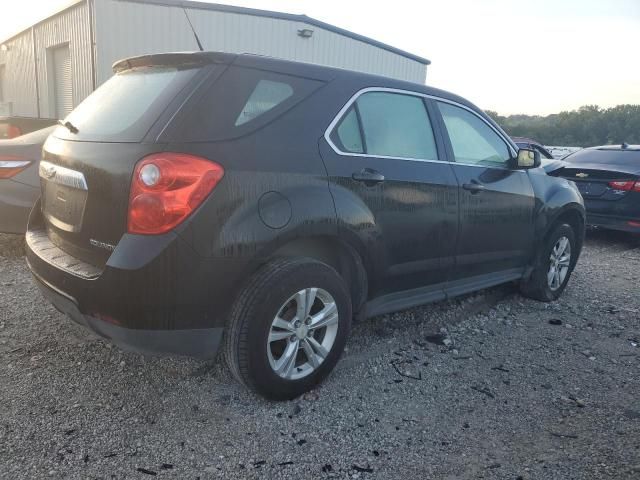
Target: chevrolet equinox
[[205, 200]]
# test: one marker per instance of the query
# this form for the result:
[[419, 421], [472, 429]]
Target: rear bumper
[[624, 224], [16, 201], [201, 343], [154, 294]]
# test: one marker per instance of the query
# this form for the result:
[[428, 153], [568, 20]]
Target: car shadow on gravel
[[623, 240]]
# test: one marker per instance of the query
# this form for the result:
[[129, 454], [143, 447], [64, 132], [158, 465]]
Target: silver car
[[19, 181]]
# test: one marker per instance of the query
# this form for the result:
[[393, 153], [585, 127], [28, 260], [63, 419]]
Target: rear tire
[[276, 343], [552, 268]]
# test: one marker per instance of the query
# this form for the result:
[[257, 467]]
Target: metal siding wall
[[20, 79], [125, 29], [72, 27]]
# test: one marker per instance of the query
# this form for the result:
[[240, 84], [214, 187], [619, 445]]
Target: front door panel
[[496, 201], [407, 222], [496, 221]]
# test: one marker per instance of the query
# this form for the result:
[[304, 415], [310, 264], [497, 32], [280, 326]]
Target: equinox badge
[[103, 245]]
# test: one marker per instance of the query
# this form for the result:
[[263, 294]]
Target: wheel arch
[[574, 216], [337, 253]]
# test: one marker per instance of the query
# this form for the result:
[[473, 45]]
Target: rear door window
[[387, 125], [349, 134], [125, 107]]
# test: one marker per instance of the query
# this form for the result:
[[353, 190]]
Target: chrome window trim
[[354, 97], [62, 175]]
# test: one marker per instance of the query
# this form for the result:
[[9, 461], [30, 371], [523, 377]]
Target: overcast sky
[[513, 56]]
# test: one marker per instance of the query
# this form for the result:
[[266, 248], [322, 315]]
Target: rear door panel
[[408, 222]]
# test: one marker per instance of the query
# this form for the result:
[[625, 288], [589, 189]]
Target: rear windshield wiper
[[70, 126]]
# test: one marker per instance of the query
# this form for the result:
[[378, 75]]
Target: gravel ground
[[488, 386]]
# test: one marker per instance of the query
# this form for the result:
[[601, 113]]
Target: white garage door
[[63, 89]]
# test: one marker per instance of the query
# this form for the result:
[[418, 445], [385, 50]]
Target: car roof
[[301, 69]]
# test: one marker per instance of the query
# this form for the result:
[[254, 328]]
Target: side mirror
[[528, 158]]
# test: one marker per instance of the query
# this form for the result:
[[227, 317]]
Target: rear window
[[239, 102], [125, 107], [629, 157]]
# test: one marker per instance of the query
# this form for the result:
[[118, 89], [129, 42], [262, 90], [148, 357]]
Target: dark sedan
[[524, 142], [19, 181], [609, 180]]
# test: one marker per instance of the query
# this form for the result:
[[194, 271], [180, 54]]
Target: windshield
[[125, 107]]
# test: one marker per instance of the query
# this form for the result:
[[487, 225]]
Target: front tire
[[554, 264], [288, 327]]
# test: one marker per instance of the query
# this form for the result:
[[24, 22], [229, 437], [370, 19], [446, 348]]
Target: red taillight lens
[[166, 188], [625, 185], [13, 131], [12, 165]]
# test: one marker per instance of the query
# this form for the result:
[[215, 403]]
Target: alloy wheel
[[559, 262], [302, 333]]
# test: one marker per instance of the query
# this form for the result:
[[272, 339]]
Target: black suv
[[205, 198]]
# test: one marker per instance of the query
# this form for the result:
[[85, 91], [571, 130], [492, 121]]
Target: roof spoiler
[[177, 59]]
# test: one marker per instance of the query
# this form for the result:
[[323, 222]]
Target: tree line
[[586, 127]]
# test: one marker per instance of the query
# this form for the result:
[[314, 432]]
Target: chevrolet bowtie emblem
[[582, 175]]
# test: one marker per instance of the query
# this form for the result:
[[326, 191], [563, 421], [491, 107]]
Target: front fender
[[555, 196]]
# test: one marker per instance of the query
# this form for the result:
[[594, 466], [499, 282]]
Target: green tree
[[588, 126]]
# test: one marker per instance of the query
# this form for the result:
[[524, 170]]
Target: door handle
[[474, 187], [368, 176]]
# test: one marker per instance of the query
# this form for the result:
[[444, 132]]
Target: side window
[[393, 125], [264, 97], [396, 125], [238, 102], [348, 133], [472, 140]]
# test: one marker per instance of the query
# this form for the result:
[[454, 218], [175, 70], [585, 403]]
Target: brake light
[[13, 131], [625, 185], [11, 165], [166, 188]]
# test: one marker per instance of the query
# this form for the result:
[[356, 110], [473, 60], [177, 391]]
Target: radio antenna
[[193, 29]]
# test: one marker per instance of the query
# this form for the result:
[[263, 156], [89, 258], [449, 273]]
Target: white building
[[51, 67]]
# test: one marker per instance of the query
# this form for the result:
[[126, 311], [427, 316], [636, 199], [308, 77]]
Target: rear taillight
[[12, 165], [166, 188], [625, 185], [9, 131], [13, 131]]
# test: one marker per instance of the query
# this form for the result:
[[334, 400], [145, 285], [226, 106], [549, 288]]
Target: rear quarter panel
[[274, 189]]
